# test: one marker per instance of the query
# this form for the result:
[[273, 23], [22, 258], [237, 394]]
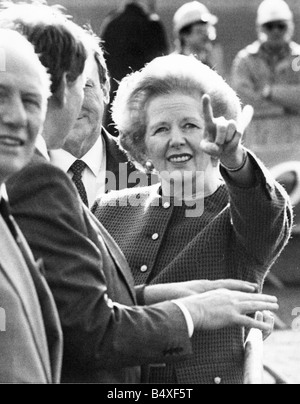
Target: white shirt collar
[[3, 193], [93, 158], [41, 145]]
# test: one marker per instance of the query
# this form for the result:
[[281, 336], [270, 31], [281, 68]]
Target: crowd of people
[[143, 263]]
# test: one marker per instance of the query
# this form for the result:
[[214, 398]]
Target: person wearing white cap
[[265, 74], [195, 33]]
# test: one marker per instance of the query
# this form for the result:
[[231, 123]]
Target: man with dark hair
[[56, 40], [104, 166], [107, 337]]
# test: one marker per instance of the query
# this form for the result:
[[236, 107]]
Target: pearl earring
[[149, 165]]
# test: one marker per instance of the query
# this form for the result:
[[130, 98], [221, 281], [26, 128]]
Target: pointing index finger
[[207, 110], [210, 126]]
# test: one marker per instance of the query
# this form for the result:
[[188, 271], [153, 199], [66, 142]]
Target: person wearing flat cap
[[266, 74], [195, 34]]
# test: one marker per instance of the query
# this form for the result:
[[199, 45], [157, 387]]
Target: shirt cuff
[[187, 316], [140, 295]]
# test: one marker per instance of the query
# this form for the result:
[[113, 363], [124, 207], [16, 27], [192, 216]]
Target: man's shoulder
[[40, 168], [249, 51], [112, 146], [40, 177]]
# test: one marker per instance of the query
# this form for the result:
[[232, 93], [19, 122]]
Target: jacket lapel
[[48, 307], [115, 253], [20, 278]]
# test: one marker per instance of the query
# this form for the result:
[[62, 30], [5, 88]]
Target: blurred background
[[236, 26]]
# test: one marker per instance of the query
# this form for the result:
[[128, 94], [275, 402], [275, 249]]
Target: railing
[[253, 367]]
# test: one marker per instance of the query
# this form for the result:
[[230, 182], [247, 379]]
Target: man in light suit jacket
[[30, 332], [107, 336]]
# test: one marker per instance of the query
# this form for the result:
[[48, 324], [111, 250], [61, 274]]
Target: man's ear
[[61, 93], [105, 89]]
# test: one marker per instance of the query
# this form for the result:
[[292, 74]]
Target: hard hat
[[273, 10], [191, 13]]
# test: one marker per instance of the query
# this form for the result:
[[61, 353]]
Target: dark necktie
[[77, 169]]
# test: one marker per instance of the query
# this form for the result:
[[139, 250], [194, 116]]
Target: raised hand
[[222, 138]]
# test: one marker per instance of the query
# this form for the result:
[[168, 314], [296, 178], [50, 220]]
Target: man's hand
[[268, 318], [202, 286], [170, 291], [224, 308]]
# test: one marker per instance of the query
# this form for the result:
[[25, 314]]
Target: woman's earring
[[149, 166]]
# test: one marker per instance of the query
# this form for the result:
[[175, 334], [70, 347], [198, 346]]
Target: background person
[[31, 339], [132, 38], [263, 73], [246, 217], [195, 34]]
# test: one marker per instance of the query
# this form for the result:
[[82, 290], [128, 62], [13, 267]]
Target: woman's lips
[[180, 158]]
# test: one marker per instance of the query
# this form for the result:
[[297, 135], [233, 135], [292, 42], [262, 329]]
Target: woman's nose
[[13, 112], [177, 138]]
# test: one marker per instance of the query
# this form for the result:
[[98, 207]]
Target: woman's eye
[[163, 129], [190, 126], [89, 85]]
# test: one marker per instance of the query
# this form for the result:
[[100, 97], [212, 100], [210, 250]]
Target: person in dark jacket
[[132, 38]]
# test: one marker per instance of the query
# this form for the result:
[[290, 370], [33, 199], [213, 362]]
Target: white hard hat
[[273, 10], [191, 13]]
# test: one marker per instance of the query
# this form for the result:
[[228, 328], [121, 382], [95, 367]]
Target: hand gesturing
[[222, 138]]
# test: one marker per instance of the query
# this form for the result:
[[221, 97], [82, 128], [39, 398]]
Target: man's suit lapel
[[48, 307], [19, 276], [114, 251]]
